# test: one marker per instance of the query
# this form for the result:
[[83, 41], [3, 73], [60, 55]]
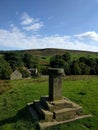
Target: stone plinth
[[55, 84], [55, 105], [55, 109]]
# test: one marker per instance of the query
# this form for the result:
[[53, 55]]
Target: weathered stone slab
[[60, 104], [55, 84], [55, 105], [65, 114]]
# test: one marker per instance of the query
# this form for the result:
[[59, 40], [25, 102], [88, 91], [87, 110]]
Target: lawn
[[14, 114]]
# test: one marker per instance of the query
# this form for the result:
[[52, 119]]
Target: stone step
[[44, 100], [35, 115], [61, 104], [44, 125], [66, 113], [46, 115], [56, 105]]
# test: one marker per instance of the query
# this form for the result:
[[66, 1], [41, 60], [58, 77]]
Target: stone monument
[[55, 84], [55, 109]]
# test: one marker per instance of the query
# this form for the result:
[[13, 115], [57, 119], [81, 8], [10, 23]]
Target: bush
[[5, 69], [25, 72], [44, 70], [57, 62], [14, 59]]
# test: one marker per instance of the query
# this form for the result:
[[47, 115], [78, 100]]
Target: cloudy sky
[[36, 24]]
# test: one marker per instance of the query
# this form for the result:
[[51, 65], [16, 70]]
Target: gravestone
[[55, 109]]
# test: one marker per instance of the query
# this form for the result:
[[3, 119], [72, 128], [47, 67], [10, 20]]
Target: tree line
[[83, 65], [11, 60]]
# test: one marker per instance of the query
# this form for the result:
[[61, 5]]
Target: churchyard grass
[[14, 114]]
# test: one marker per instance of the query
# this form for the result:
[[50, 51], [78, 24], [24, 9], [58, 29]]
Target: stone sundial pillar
[[54, 109], [55, 84]]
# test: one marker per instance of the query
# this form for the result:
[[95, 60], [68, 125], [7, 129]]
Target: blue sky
[[36, 24]]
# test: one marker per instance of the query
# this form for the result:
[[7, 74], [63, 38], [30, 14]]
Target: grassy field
[[16, 94]]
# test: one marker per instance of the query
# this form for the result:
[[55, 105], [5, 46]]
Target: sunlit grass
[[14, 114]]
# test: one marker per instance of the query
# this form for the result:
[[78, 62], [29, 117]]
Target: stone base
[[56, 105], [43, 125], [55, 112]]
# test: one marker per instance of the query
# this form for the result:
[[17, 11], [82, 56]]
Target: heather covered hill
[[53, 51]]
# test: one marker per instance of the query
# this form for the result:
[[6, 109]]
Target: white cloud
[[90, 35], [16, 39], [26, 19], [30, 24], [33, 27], [12, 38]]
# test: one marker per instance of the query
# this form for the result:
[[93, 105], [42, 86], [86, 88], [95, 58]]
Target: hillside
[[45, 58], [53, 51]]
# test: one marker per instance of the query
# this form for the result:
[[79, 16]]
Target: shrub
[[5, 69], [25, 72]]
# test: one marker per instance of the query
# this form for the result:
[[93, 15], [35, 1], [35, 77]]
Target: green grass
[[77, 54], [14, 114], [44, 60]]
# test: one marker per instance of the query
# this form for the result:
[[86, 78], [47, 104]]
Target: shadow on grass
[[23, 115]]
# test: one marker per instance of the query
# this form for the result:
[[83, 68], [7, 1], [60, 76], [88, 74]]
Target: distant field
[[16, 94]]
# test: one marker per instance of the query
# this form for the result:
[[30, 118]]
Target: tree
[[96, 65], [30, 61], [67, 68], [14, 59], [5, 69], [83, 59], [66, 56], [25, 72], [92, 63], [75, 67], [57, 62], [85, 69]]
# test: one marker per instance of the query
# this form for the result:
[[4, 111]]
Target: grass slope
[[14, 114], [53, 51]]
